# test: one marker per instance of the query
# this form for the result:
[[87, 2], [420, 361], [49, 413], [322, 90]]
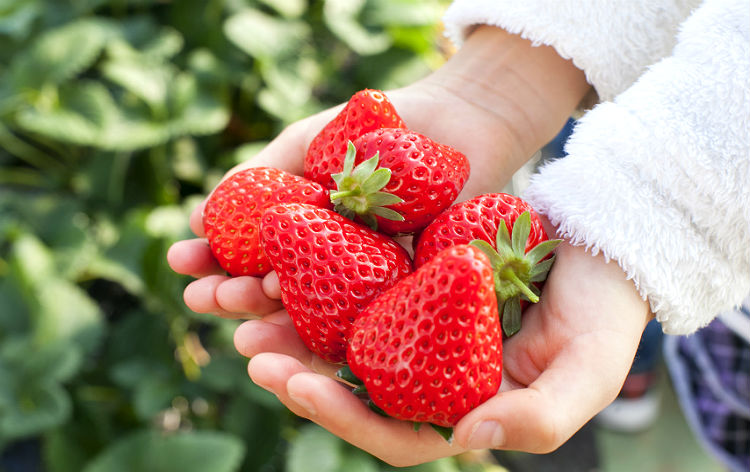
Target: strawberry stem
[[358, 190], [515, 270], [509, 275]]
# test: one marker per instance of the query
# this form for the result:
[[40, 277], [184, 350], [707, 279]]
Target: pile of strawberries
[[422, 337]]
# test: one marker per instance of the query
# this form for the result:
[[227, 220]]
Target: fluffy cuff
[[612, 42], [658, 180]]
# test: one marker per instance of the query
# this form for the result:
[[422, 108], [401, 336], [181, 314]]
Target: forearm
[[526, 92], [670, 157], [612, 42]]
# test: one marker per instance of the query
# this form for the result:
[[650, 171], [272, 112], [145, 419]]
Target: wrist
[[529, 90]]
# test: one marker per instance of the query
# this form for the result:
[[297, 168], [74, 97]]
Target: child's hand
[[497, 109], [565, 365], [493, 155]]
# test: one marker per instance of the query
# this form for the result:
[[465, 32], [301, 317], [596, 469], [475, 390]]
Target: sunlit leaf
[[264, 36], [16, 17], [61, 311], [61, 53], [314, 449], [197, 110], [148, 80], [287, 8], [342, 18], [164, 45], [198, 451], [33, 409]]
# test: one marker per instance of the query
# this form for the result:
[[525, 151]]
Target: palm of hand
[[567, 362]]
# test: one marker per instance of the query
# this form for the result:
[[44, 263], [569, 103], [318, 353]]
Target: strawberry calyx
[[347, 376], [516, 271], [358, 190]]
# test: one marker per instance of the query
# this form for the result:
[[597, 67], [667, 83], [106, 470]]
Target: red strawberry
[[330, 269], [367, 110], [430, 349], [232, 215], [403, 180], [517, 248]]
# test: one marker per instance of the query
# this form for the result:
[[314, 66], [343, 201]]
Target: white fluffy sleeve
[[659, 179], [612, 41]]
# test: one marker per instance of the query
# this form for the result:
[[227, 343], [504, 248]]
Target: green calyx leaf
[[346, 374], [444, 431], [516, 271], [358, 192]]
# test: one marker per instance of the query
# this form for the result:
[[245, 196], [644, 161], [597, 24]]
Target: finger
[[193, 257], [580, 382], [333, 406], [271, 286], [276, 333], [245, 295], [271, 372], [196, 220], [200, 296]]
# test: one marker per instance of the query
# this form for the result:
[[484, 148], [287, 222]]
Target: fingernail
[[486, 434], [304, 403]]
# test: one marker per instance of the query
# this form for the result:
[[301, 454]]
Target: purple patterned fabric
[[711, 373]]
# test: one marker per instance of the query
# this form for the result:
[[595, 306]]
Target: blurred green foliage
[[115, 118]]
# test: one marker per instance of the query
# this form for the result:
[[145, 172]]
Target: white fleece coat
[[658, 174]]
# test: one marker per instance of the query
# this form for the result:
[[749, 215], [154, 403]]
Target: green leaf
[[387, 213], [541, 269], [377, 181], [61, 53], [314, 449], [164, 45], [356, 460], [287, 8], [32, 409], [17, 17], [511, 316], [488, 250], [264, 36], [404, 13], [342, 18], [366, 168], [196, 109], [148, 80], [152, 394], [67, 313], [383, 199], [521, 231], [538, 252], [345, 373], [444, 431], [198, 451]]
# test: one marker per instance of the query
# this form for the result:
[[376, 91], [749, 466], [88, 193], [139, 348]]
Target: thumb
[[583, 378]]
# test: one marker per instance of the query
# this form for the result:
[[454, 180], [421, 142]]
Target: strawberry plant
[[116, 118]]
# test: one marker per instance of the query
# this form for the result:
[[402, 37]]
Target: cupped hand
[[475, 131], [565, 365]]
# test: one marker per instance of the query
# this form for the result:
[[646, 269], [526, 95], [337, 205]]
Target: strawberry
[[329, 269], [508, 230], [401, 182], [366, 110], [430, 348], [232, 215]]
